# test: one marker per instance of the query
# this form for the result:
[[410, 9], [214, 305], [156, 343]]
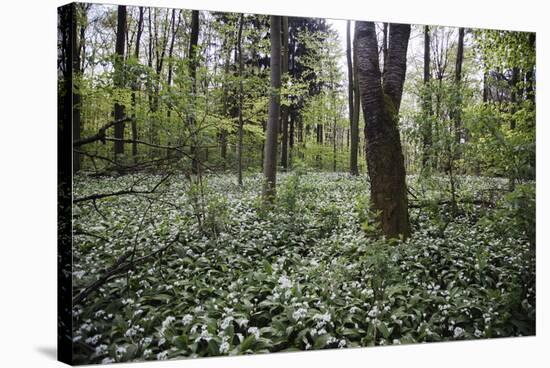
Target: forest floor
[[216, 274]]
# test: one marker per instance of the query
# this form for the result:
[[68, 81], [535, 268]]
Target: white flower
[[107, 361], [186, 319], [120, 351], [162, 341], [243, 322], [477, 333], [101, 349], [93, 340], [458, 332], [162, 356], [254, 331], [147, 352], [226, 322], [127, 301], [374, 312], [138, 312], [284, 282], [224, 346], [299, 313], [342, 343], [205, 335], [166, 323]]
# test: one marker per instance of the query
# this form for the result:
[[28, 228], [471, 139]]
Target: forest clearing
[[249, 184]]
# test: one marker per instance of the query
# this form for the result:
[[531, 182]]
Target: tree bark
[[270, 153], [135, 86], [193, 75], [354, 121], [458, 78], [427, 102], [240, 131], [75, 91], [284, 109], [530, 75], [381, 100], [356, 97], [119, 76], [385, 29]]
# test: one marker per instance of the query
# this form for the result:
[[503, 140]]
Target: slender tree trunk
[[240, 131], [485, 87], [291, 130], [119, 76], [135, 86], [381, 100], [193, 75], [76, 99], [270, 155], [284, 109], [427, 102], [354, 121], [530, 75], [458, 79]]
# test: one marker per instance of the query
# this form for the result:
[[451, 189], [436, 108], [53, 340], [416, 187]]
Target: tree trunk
[[76, 100], [193, 75], [385, 28], [530, 75], [427, 102], [284, 109], [354, 123], [356, 98], [458, 78], [135, 86], [270, 155], [119, 77], [240, 75], [381, 100]]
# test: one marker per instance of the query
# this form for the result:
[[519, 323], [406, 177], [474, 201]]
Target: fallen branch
[[94, 197], [420, 204], [120, 266]]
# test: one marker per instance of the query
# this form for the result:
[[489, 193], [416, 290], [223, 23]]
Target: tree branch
[[100, 136]]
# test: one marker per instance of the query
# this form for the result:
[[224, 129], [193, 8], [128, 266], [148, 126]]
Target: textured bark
[[457, 114], [530, 75], [284, 109], [353, 115], [385, 29], [119, 75], [240, 131], [356, 96], [75, 52], [381, 100], [194, 39], [270, 151], [427, 102], [135, 86]]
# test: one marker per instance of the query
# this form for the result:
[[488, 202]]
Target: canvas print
[[244, 183]]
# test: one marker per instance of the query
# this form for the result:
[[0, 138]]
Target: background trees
[[191, 91]]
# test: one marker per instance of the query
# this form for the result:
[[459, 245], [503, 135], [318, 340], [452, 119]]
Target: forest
[[246, 183]]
